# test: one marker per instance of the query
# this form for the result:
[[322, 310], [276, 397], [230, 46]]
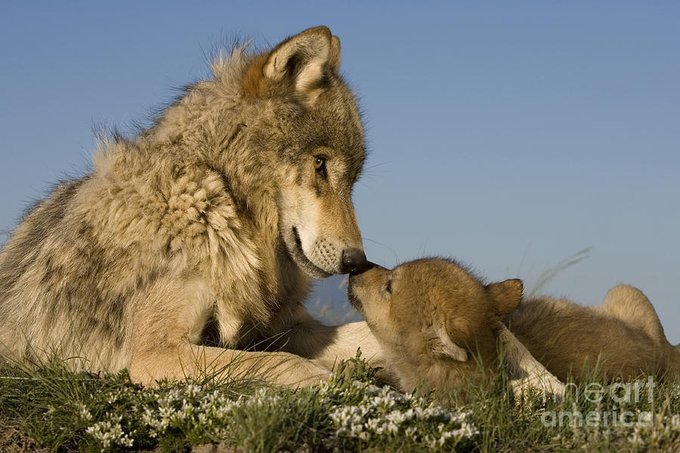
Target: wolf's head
[[433, 310], [286, 133], [309, 124]]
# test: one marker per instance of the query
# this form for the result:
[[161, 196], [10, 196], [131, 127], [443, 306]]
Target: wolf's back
[[52, 301], [37, 228]]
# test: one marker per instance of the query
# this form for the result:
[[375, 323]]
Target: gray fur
[[183, 223]]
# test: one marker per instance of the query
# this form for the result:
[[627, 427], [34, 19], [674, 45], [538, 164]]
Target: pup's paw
[[543, 385]]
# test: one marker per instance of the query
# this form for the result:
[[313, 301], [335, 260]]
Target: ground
[[53, 409]]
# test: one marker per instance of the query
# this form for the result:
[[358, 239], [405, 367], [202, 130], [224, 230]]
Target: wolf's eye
[[320, 166]]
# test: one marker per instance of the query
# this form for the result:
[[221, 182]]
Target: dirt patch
[[14, 440]]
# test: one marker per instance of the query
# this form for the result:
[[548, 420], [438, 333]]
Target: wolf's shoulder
[[180, 202]]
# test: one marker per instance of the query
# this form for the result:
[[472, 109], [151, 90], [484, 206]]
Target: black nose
[[353, 261], [360, 270]]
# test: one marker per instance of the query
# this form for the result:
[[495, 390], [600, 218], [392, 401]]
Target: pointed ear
[[445, 347], [303, 59], [334, 56], [506, 295]]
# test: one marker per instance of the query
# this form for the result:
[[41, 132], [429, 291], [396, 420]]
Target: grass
[[53, 409]]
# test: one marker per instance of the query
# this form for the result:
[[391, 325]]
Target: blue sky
[[510, 135]]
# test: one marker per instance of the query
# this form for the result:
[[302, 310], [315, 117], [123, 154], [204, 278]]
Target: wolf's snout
[[353, 261], [360, 270]]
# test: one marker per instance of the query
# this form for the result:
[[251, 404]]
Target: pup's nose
[[353, 261]]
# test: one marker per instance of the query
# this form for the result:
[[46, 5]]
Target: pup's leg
[[631, 306], [526, 371]]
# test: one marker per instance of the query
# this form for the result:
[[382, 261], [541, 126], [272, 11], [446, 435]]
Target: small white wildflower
[[110, 433], [396, 417], [84, 412]]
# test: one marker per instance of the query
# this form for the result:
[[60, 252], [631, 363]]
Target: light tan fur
[[621, 338], [192, 245], [440, 326], [433, 317]]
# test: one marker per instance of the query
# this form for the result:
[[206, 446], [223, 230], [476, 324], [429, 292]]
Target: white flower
[[110, 433], [84, 412]]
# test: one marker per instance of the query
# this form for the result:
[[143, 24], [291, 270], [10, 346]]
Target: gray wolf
[[621, 338], [196, 240], [440, 326]]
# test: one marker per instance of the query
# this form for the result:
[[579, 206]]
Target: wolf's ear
[[304, 59], [445, 347], [506, 295]]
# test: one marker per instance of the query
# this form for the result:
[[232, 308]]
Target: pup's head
[[314, 126], [433, 310]]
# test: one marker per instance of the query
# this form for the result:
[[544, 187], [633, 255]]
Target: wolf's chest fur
[[99, 244]]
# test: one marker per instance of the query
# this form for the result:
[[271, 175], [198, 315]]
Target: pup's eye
[[320, 166]]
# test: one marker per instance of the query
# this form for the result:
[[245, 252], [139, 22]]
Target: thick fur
[[621, 338], [208, 225], [440, 326]]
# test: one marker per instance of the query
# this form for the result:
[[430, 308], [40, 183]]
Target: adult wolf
[[212, 220], [198, 237]]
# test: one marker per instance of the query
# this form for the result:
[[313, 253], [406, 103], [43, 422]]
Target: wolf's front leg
[[168, 320], [329, 345], [198, 362], [527, 373]]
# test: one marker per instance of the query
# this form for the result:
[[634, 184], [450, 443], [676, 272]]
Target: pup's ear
[[334, 55], [303, 60], [445, 347], [506, 295]]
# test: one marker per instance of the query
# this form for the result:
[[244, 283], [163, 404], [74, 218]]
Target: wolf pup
[[440, 326], [208, 224], [621, 338]]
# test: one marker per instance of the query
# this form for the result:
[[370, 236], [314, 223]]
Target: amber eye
[[320, 166]]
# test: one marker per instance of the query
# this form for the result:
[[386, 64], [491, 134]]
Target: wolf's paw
[[306, 373]]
